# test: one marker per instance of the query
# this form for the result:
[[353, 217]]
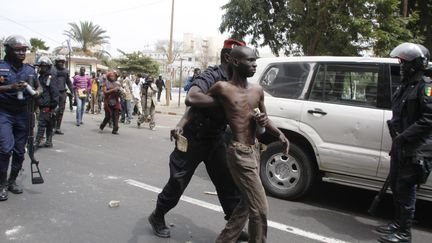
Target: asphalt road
[[86, 170]]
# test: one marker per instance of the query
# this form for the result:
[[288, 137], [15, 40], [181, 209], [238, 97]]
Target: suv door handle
[[317, 111]]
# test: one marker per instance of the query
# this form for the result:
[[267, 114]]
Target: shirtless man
[[239, 99]]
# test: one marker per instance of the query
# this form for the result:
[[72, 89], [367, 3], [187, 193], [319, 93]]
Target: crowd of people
[[120, 96], [220, 125]]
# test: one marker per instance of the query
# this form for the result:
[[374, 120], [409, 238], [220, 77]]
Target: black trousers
[[111, 115], [183, 165], [45, 124], [159, 94], [61, 109], [403, 186]]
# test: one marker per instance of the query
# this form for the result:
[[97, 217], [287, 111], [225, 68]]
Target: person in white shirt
[[136, 94]]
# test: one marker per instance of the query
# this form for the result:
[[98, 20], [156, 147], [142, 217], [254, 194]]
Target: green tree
[[419, 13], [104, 57], [320, 27], [137, 62], [88, 35], [389, 27], [37, 44]]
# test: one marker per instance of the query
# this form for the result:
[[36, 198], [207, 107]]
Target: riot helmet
[[60, 58], [44, 61], [413, 57], [16, 42], [60, 61]]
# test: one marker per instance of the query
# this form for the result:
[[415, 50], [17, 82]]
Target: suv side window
[[351, 84], [285, 80]]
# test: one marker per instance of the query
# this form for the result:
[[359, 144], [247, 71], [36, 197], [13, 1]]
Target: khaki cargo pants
[[243, 163]]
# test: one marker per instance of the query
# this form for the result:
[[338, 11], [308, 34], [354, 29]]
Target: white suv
[[334, 112]]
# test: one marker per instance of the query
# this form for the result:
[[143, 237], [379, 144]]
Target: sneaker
[[115, 132], [152, 126], [58, 132], [48, 145], [159, 227]]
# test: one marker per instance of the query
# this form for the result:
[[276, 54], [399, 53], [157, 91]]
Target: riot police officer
[[411, 130], [62, 80], [47, 102], [203, 125], [13, 112]]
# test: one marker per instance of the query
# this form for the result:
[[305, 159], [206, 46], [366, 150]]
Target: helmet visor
[[16, 42], [407, 51]]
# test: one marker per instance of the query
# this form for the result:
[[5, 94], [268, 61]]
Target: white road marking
[[276, 225], [14, 231]]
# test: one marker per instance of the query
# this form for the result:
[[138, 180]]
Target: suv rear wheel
[[288, 177]]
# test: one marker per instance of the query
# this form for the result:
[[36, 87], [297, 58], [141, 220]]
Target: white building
[[195, 52]]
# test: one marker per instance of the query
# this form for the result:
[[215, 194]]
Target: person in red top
[[111, 89], [82, 85]]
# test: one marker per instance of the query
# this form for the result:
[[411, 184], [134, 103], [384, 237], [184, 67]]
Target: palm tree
[[37, 44], [87, 34]]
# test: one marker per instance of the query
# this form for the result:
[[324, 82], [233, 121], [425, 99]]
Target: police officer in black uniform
[[204, 128], [13, 112], [411, 130], [47, 102], [62, 80]]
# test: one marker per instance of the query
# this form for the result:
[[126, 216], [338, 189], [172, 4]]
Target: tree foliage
[[137, 62], [319, 27], [37, 44], [88, 35], [420, 22]]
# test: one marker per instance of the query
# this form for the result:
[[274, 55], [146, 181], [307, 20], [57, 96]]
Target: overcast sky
[[131, 24]]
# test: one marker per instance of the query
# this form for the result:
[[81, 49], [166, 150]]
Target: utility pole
[[181, 79], [170, 56], [69, 56]]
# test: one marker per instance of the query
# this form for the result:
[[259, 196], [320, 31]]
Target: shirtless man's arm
[[271, 127]]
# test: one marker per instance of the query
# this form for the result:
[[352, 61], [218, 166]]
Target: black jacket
[[208, 122], [413, 119], [50, 93], [62, 79]]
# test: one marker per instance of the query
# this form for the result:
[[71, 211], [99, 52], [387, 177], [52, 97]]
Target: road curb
[[169, 113]]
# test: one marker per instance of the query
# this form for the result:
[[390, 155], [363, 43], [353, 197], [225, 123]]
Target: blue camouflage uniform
[[13, 116]]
